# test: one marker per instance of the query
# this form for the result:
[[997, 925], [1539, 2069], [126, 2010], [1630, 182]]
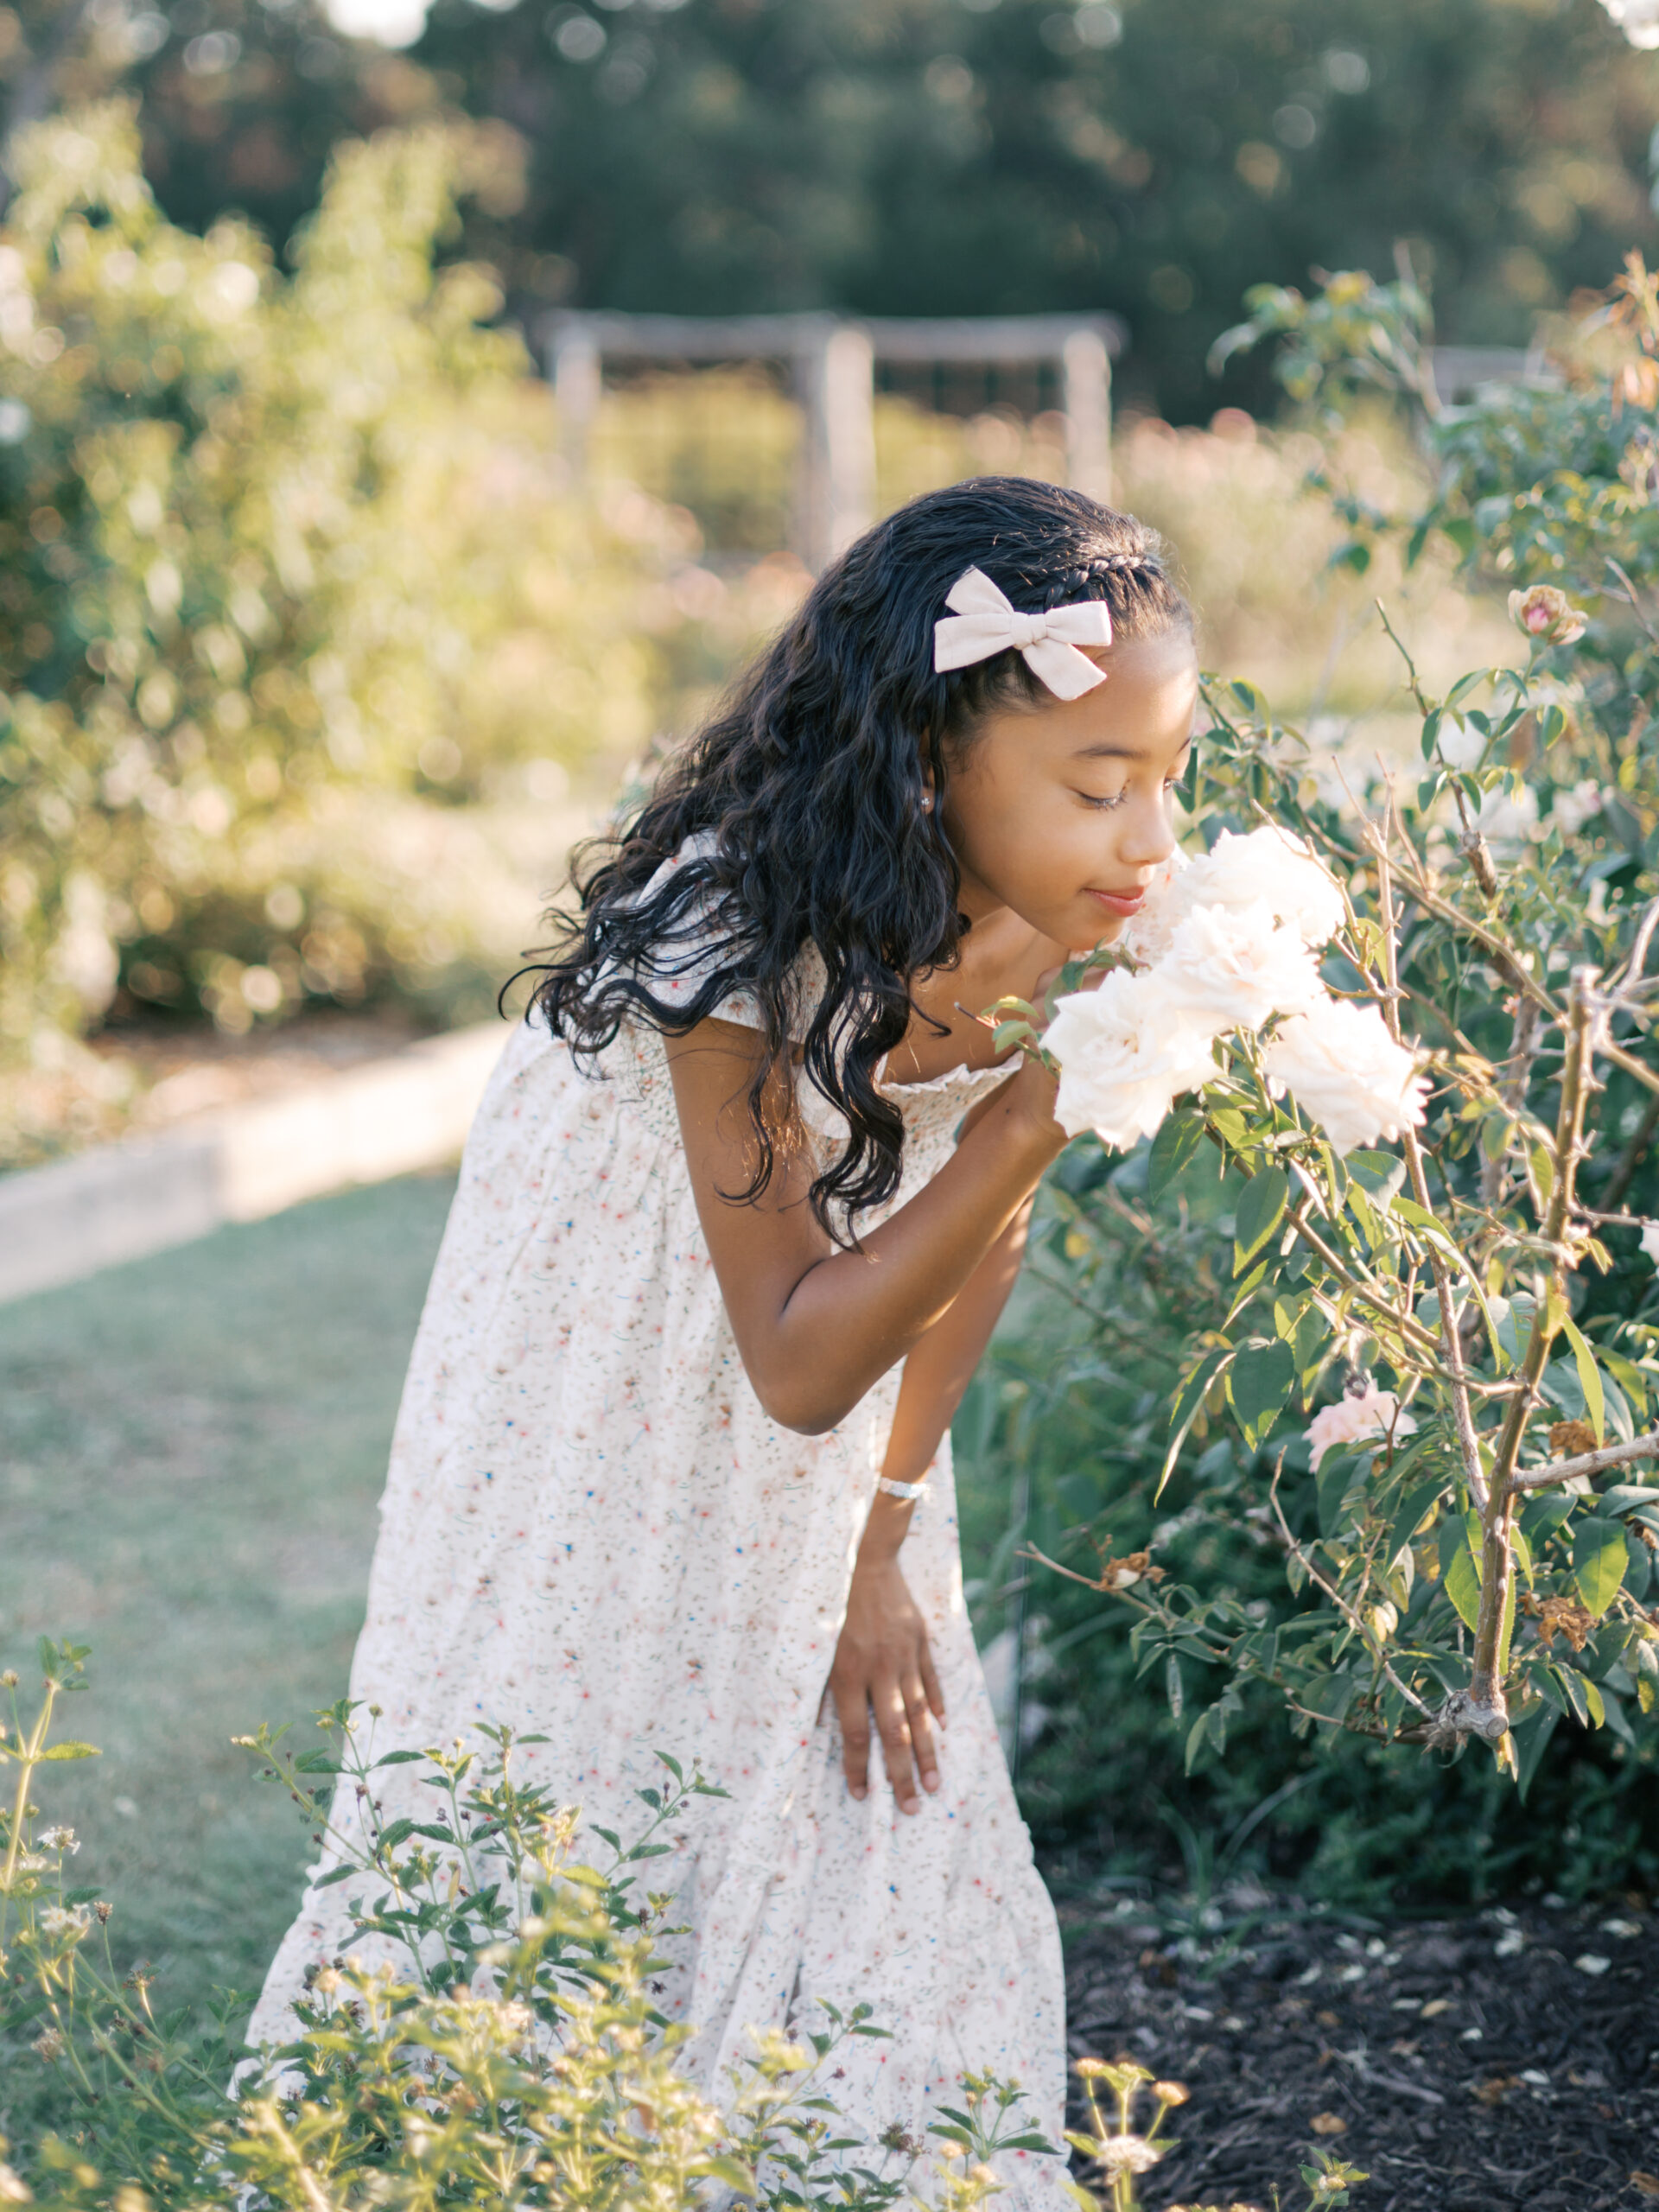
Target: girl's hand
[[1031, 1090], [883, 1665]]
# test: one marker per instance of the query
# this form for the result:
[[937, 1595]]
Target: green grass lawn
[[192, 1448], [191, 1451]]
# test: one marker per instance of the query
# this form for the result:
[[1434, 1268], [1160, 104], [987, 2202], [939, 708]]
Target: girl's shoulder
[[703, 939]]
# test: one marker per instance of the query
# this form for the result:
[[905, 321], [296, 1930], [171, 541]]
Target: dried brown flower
[[1568, 1439], [1559, 1616]]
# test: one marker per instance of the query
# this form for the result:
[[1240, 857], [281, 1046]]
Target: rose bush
[[1435, 1188]]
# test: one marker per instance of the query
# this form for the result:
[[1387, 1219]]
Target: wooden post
[[836, 380], [1086, 374], [577, 382]]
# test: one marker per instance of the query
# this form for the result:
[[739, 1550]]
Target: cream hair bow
[[985, 623]]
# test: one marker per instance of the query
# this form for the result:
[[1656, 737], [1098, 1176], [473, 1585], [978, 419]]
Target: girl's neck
[[1001, 955]]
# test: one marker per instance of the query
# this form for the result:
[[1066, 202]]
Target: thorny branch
[[1590, 1463], [1468, 1444], [1484, 1710]]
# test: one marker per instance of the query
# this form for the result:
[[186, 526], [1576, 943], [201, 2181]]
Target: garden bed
[[1483, 2063]]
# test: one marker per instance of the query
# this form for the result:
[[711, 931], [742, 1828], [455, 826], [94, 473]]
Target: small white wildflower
[[1650, 1241], [48, 2044], [58, 1840], [1127, 2154], [71, 1921]]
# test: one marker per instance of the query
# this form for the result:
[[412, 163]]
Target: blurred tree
[[947, 156]]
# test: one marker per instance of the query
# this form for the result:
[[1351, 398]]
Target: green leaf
[[1339, 1471], [1460, 1573], [1378, 1174], [1598, 1561], [1177, 1140], [1258, 1383], [72, 1750], [1572, 1686], [1188, 1399], [1260, 1211], [1407, 1520], [1589, 1378], [1195, 1738], [1532, 1738]]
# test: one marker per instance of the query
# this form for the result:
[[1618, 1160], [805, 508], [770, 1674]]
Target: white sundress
[[591, 1531]]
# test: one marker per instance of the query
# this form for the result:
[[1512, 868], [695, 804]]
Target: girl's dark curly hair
[[811, 779]]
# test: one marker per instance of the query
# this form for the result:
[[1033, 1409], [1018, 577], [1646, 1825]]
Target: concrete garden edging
[[390, 1116]]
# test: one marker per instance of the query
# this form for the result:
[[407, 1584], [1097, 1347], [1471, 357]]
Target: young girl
[[745, 1197]]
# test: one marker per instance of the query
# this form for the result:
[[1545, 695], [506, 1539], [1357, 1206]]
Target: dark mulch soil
[[1479, 2063]]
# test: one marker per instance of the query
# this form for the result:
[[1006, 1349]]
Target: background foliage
[[934, 156], [291, 568]]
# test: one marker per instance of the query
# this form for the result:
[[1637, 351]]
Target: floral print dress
[[591, 1531]]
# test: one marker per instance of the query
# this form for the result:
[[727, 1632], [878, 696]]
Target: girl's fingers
[[930, 1681], [894, 1723], [853, 1710], [921, 1734]]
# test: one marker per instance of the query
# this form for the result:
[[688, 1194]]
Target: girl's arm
[[818, 1327], [883, 1666]]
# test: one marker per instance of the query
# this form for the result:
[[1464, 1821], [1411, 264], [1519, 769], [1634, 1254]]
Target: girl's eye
[[1114, 798]]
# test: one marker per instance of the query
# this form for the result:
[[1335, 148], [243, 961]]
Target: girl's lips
[[1121, 902]]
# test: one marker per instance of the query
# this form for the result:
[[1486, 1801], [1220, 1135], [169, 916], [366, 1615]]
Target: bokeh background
[[322, 638]]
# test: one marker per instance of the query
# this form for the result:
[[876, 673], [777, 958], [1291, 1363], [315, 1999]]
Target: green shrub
[[503, 2051], [283, 556]]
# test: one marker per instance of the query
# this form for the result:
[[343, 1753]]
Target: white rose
[[1123, 1057], [1570, 810], [1506, 818], [1370, 1413], [1230, 970], [1270, 866], [1460, 744], [1146, 936], [1347, 1073]]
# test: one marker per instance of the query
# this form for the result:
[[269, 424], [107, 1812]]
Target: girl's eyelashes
[[1116, 798]]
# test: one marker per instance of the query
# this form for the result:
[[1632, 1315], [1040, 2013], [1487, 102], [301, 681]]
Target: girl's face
[[1061, 811]]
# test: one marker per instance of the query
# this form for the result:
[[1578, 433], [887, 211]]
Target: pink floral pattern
[[591, 1530]]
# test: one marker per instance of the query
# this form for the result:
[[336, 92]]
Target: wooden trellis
[[833, 364]]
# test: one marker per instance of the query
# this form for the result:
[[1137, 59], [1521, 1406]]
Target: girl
[[742, 1204]]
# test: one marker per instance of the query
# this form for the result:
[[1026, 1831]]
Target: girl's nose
[[1147, 840]]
